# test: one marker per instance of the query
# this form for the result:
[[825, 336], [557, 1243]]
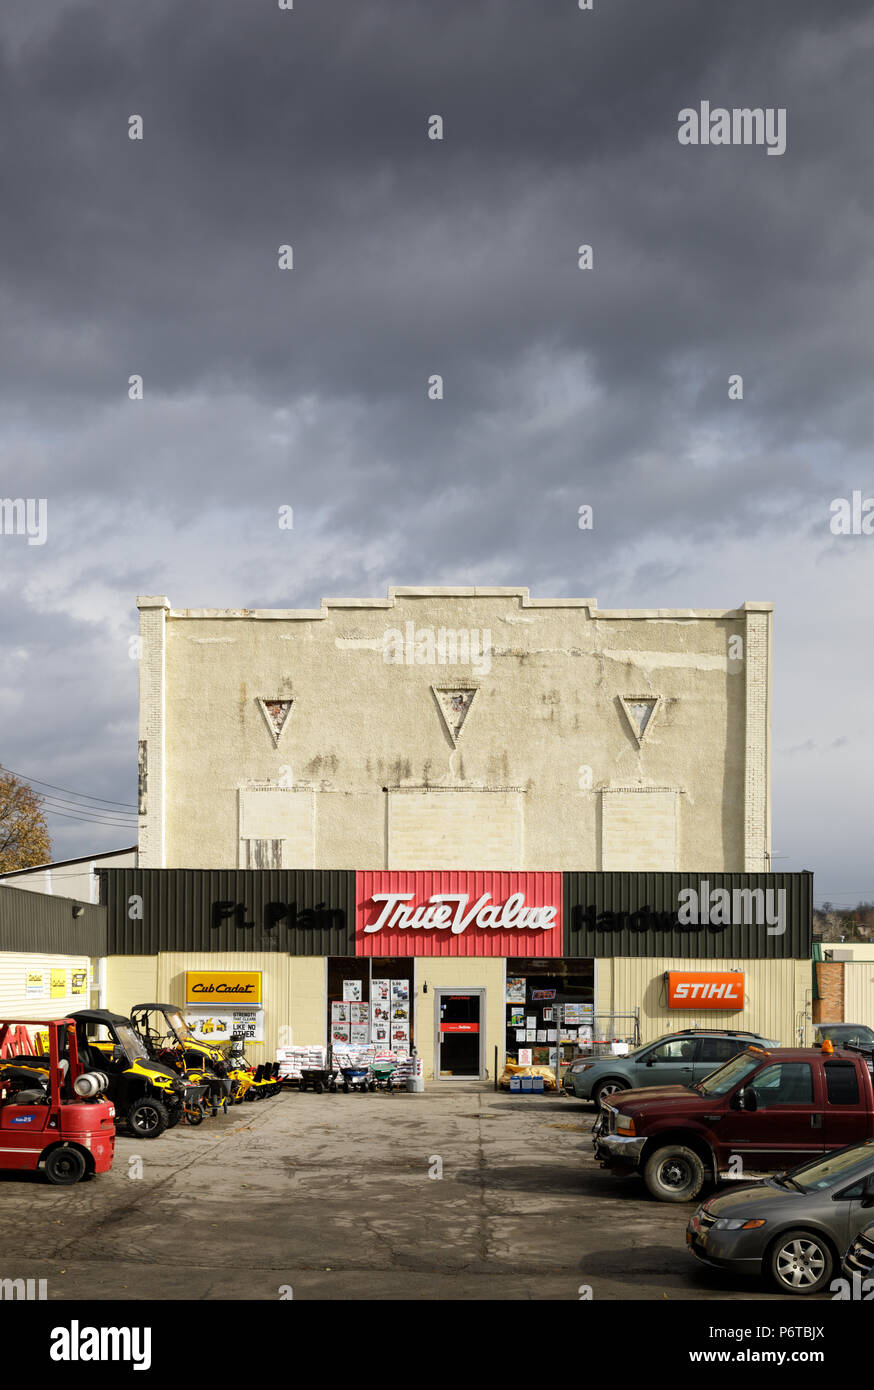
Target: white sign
[[219, 1025]]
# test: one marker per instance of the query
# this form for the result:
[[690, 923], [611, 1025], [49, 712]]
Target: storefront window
[[370, 1002], [549, 1004]]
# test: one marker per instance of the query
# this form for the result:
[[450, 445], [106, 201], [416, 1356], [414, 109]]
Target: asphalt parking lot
[[331, 1195]]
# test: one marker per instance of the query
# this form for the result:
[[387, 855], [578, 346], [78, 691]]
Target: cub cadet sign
[[705, 990], [223, 987]]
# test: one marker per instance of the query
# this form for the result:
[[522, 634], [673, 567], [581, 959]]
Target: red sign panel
[[459, 1027], [452, 912]]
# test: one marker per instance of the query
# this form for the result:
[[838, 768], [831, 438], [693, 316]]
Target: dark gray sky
[[413, 257]]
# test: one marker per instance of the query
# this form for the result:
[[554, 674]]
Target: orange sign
[[705, 989]]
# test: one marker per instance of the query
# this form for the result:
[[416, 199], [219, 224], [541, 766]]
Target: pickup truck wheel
[[800, 1262], [607, 1088], [674, 1174]]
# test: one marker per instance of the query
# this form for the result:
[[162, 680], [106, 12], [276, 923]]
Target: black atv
[[147, 1096]]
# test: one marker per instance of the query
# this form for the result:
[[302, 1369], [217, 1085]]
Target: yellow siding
[[859, 992], [14, 1003], [130, 980], [440, 972], [774, 995], [293, 991]]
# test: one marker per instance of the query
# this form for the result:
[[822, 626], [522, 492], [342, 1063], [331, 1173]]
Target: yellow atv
[[148, 1096], [169, 1041]]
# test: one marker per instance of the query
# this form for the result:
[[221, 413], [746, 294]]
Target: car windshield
[[846, 1033], [179, 1026], [839, 1168], [720, 1082]]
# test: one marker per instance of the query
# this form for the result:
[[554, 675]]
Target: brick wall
[[829, 1007]]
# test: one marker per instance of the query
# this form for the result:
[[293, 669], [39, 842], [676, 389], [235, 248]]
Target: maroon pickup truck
[[763, 1110]]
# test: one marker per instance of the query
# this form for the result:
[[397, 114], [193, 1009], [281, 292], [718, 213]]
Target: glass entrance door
[[459, 1035]]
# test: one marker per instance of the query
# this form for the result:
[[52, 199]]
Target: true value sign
[[450, 913]]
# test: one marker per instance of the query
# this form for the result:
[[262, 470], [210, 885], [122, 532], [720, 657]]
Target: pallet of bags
[[293, 1060]]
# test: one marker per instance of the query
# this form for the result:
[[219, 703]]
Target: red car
[[51, 1111]]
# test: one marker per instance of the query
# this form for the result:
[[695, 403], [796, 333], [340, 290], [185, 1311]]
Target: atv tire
[[147, 1118], [174, 1116]]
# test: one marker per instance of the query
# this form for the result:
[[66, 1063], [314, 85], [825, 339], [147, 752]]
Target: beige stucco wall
[[365, 748], [775, 996]]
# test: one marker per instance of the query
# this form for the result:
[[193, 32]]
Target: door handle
[[816, 1121]]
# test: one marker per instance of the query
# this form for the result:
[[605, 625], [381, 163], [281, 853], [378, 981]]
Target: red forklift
[[52, 1113]]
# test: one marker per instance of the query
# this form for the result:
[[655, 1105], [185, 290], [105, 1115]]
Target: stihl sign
[[705, 990], [434, 913]]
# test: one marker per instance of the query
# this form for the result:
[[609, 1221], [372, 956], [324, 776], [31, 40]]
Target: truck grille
[[609, 1124]]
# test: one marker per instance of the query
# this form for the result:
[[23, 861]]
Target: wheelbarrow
[[382, 1076], [318, 1079], [355, 1078]]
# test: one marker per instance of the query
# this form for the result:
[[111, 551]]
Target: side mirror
[[751, 1100], [118, 1053], [737, 1101], [649, 1061]]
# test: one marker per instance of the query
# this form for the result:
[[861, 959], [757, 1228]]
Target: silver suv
[[677, 1059]]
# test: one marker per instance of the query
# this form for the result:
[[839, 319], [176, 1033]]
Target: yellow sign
[[214, 987], [59, 984], [34, 982], [78, 985]]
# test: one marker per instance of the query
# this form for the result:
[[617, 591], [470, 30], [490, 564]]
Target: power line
[[92, 820], [82, 795]]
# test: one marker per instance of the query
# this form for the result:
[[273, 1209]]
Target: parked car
[[770, 1109], [794, 1227], [859, 1261], [680, 1058], [844, 1034]]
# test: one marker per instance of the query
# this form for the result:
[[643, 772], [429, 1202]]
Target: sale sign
[[697, 989], [458, 913]]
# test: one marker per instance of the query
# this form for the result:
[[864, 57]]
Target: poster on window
[[359, 1013], [359, 1033], [379, 1033], [515, 992], [352, 991], [380, 992], [340, 1011], [400, 991], [340, 1033], [517, 1018]]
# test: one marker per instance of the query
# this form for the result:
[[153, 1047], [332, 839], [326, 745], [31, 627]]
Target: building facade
[[453, 729], [461, 820]]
